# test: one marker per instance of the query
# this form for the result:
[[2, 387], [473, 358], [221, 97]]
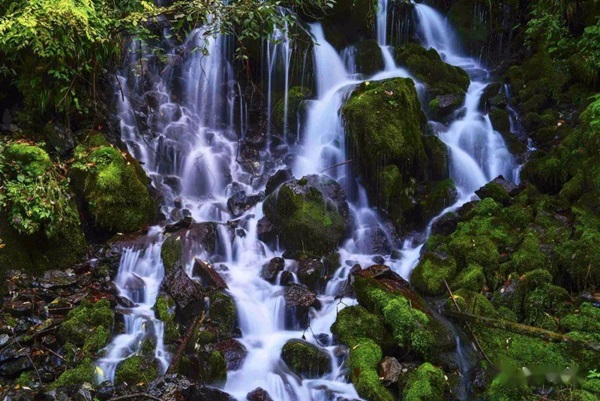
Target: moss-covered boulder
[[223, 314], [429, 275], [305, 359], [364, 359], [311, 215], [88, 326], [164, 309], [113, 186], [287, 123], [426, 383], [355, 322], [171, 252], [429, 68], [399, 165], [136, 369], [40, 226], [369, 59], [84, 372]]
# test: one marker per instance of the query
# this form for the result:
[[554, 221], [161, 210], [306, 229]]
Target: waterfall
[[188, 141]]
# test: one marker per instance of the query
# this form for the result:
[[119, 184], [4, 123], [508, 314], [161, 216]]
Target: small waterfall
[[139, 277]]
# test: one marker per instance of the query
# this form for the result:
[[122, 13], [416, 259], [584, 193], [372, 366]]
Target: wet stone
[[270, 270], [57, 278], [105, 391], [209, 393], [208, 275], [186, 222], [258, 394], [239, 203], [389, 370], [234, 353]]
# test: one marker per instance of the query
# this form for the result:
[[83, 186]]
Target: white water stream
[[193, 155]]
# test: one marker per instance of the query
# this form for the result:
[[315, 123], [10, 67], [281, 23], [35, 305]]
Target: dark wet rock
[[208, 276], [378, 259], [239, 203], [185, 291], [14, 360], [172, 387], [18, 307], [209, 393], [385, 276], [300, 296], [178, 202], [369, 58], [57, 278], [234, 353], [443, 106], [258, 394], [286, 278], [105, 391], [265, 230], [305, 359], [389, 370], [299, 299], [280, 177], [372, 240], [309, 271], [83, 394], [493, 96], [186, 222], [173, 182], [446, 224], [154, 99], [270, 270]]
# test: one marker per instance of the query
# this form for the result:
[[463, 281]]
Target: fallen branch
[[136, 395], [336, 165], [523, 329], [468, 325], [188, 334]]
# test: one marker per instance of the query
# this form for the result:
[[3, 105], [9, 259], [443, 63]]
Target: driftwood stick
[[336, 165], [188, 334], [523, 329]]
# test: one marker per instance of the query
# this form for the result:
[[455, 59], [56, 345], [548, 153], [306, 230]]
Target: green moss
[[364, 362], [306, 220], [135, 369], [441, 195], [428, 67], [428, 277], [529, 257], [305, 359], [171, 252], [472, 302], [164, 309], [580, 258], [548, 173], [437, 158], [355, 322], [82, 323], [384, 122], [410, 327], [113, 185], [472, 278], [426, 383], [222, 312], [296, 103], [83, 373]]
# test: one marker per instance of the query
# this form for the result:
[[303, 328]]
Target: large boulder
[[305, 359], [310, 215], [113, 186], [369, 59], [399, 165]]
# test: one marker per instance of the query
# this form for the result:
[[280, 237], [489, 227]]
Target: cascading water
[[191, 151]]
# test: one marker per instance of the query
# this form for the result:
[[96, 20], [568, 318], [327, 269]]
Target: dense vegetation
[[516, 272]]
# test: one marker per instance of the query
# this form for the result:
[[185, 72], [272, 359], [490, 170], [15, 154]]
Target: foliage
[[33, 193], [57, 50]]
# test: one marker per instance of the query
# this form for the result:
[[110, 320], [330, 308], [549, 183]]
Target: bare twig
[[336, 165], [136, 395]]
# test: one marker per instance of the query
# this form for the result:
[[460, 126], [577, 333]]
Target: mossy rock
[[223, 313], [437, 158], [296, 106], [384, 123], [440, 195], [547, 173], [211, 368], [164, 310], [471, 278], [171, 252], [73, 377], [136, 369], [89, 325], [355, 322], [369, 59], [113, 186], [428, 277], [311, 214], [426, 383], [427, 66], [305, 359], [364, 360]]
